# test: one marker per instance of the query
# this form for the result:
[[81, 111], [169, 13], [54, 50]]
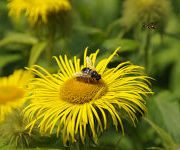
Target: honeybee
[[88, 72], [152, 25]]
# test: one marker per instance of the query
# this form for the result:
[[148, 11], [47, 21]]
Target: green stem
[[173, 35], [146, 49], [49, 50], [117, 143], [81, 146], [67, 147]]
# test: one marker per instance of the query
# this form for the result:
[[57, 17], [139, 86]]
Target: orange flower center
[[82, 90]]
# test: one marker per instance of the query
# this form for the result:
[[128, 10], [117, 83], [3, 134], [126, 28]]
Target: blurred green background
[[106, 24]]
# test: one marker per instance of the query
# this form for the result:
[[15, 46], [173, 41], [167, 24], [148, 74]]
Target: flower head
[[145, 11], [38, 10], [74, 103], [13, 91], [13, 131]]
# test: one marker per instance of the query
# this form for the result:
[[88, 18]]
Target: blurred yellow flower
[[37, 9], [13, 91], [73, 104]]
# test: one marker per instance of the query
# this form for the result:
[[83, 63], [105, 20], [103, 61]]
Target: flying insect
[[152, 25]]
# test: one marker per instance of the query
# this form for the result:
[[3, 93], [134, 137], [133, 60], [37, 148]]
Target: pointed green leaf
[[125, 44], [89, 30], [5, 59], [22, 38]]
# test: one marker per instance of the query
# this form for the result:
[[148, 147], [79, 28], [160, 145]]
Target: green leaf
[[164, 111], [161, 61], [125, 44], [175, 79], [155, 148], [89, 30], [167, 106], [164, 54], [113, 140], [36, 51], [22, 38], [5, 59], [166, 138]]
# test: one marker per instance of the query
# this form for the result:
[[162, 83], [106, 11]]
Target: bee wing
[[78, 74], [81, 74], [89, 63]]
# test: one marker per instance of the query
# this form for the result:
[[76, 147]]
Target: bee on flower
[[89, 72], [74, 101]]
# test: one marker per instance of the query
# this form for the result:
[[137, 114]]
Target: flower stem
[[67, 147], [81, 146], [146, 49], [49, 50]]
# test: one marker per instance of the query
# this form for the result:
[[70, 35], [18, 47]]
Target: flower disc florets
[[82, 90], [13, 91]]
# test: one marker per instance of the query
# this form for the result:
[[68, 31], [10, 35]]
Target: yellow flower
[[38, 9], [73, 104], [12, 91]]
